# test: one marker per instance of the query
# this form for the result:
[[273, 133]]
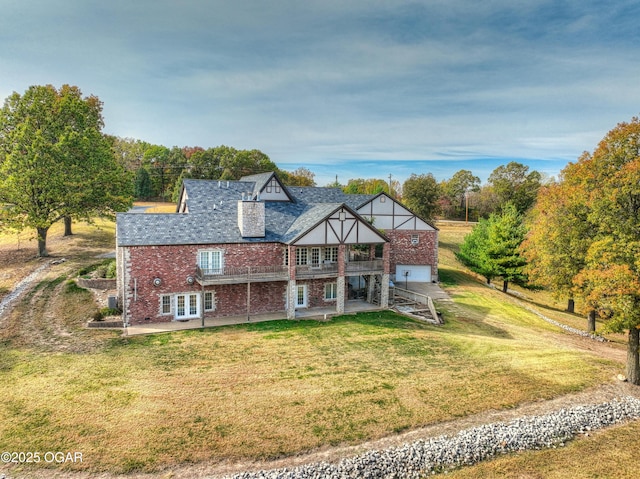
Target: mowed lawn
[[279, 388], [273, 389]]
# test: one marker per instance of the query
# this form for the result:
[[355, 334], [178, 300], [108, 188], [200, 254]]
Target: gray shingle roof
[[213, 214]]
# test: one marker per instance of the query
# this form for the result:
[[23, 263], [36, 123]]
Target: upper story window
[[210, 261], [314, 256], [302, 256], [331, 254]]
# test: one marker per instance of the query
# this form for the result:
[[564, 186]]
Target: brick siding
[[402, 251]]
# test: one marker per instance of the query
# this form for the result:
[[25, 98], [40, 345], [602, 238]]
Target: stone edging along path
[[422, 457]]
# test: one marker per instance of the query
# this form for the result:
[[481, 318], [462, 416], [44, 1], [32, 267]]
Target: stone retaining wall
[[98, 283]]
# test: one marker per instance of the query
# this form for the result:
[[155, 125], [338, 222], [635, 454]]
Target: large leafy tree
[[610, 280], [513, 183], [559, 236], [55, 162], [369, 186], [455, 192], [420, 193], [299, 177]]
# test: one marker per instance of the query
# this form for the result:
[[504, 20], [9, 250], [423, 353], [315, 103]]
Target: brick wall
[[402, 251], [231, 299], [173, 264]]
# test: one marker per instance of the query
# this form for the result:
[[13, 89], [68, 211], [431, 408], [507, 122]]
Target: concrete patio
[[351, 307]]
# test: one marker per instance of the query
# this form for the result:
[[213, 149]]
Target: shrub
[[110, 312], [72, 287], [111, 270]]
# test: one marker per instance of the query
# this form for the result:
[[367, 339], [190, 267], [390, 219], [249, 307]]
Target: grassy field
[[273, 389]]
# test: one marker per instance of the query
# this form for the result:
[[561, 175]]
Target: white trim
[[211, 261], [301, 288], [189, 307]]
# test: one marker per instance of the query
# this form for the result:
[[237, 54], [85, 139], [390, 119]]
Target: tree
[[504, 236], [55, 161], [455, 191], [610, 189], [300, 177], [513, 183], [420, 194], [492, 248], [156, 160], [370, 186], [559, 236], [473, 251], [143, 189], [129, 152], [205, 164], [238, 163]]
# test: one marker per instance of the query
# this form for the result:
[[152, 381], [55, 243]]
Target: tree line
[[461, 197], [57, 164], [158, 170], [580, 238]]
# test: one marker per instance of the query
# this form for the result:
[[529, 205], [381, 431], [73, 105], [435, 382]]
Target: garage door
[[413, 273]]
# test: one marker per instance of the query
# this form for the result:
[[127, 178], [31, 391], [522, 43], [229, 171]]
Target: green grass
[[271, 389], [276, 388]]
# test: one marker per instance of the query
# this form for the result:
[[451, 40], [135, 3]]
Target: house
[[255, 246]]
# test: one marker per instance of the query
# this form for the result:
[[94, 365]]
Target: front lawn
[[277, 388]]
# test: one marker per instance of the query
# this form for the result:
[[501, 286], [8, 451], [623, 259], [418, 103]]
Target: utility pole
[[390, 190], [466, 206]]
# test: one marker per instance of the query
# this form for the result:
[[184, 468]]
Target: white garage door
[[413, 273]]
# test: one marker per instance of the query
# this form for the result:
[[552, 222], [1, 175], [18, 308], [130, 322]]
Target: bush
[[110, 312], [111, 270], [101, 269], [72, 287]]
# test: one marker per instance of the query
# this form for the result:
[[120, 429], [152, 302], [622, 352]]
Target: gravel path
[[20, 288]]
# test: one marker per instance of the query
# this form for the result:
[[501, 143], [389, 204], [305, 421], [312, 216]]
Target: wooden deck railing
[[242, 274]]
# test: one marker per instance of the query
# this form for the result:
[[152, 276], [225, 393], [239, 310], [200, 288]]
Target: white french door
[[301, 296], [187, 306]]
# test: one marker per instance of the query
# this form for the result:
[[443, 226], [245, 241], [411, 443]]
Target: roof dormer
[[268, 187]]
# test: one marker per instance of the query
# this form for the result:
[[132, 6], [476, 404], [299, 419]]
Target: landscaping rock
[[423, 457]]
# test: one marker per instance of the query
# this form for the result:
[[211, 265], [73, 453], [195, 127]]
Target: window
[[331, 254], [301, 256], [315, 257], [330, 291], [286, 256], [210, 261], [209, 303], [165, 304]]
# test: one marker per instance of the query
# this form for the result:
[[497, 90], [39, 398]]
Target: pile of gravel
[[468, 447]]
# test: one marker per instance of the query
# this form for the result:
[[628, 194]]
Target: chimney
[[251, 219]]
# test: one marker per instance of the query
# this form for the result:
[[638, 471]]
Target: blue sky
[[359, 88]]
